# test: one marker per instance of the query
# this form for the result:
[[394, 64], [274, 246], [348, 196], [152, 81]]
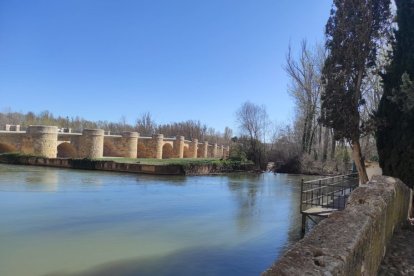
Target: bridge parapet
[[12, 127]]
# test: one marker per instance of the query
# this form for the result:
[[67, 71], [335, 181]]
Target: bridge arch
[[66, 150], [4, 148], [167, 151]]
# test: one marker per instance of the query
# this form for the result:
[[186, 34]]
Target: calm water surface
[[68, 222]]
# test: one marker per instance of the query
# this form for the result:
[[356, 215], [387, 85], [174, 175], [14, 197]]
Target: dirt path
[[399, 258]]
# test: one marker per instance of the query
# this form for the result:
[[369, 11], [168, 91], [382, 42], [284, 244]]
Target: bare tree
[[228, 134], [145, 125], [252, 120], [305, 88]]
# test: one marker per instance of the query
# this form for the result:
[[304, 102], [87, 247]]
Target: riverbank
[[132, 165]]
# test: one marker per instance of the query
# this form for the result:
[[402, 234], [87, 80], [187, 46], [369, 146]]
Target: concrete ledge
[[352, 241]]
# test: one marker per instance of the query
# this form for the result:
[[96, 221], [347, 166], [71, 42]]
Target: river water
[[72, 222]]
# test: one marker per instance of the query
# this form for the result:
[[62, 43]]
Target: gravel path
[[399, 258]]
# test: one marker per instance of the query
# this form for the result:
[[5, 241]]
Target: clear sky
[[181, 59]]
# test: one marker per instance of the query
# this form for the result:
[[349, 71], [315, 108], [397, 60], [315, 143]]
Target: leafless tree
[[145, 124], [305, 88], [253, 120]]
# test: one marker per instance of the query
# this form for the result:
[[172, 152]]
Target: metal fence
[[329, 193]]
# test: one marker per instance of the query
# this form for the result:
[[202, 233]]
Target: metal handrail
[[332, 177], [330, 192]]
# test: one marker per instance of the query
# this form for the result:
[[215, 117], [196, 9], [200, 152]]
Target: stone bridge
[[47, 141]]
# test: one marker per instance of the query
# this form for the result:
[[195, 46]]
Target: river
[[73, 222]]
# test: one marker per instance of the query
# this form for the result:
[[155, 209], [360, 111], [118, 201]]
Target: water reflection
[[99, 223], [244, 189], [181, 262], [42, 180]]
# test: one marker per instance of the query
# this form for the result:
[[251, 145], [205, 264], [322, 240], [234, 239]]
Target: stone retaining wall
[[109, 165], [352, 241]]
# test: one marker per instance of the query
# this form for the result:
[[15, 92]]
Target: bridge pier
[[91, 143], [215, 150], [205, 149], [157, 141], [179, 147], [129, 141], [193, 148], [43, 140]]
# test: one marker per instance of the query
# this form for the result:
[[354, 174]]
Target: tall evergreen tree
[[353, 32], [395, 135]]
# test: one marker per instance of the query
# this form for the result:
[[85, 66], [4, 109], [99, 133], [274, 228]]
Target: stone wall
[[352, 241], [11, 141], [108, 165], [124, 145]]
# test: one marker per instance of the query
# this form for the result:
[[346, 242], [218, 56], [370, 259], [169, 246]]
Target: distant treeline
[[145, 125]]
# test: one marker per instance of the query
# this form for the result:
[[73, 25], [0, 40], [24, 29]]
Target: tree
[[253, 120], [395, 116], [145, 125], [228, 134], [353, 32], [305, 88]]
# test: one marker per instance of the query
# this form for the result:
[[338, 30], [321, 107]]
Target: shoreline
[[139, 168]]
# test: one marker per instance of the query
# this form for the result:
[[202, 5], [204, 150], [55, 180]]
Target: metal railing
[[330, 192]]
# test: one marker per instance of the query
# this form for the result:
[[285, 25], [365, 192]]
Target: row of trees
[[145, 125], [357, 87], [264, 141], [337, 88]]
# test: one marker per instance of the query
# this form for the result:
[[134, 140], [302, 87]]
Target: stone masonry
[[352, 241], [48, 141]]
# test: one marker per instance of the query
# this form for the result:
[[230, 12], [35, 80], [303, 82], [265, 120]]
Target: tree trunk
[[304, 135], [333, 146], [312, 135], [359, 162], [325, 145]]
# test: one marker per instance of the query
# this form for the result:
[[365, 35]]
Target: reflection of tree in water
[[169, 180], [245, 189], [43, 180]]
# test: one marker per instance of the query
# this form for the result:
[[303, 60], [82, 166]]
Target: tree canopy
[[395, 115], [353, 32]]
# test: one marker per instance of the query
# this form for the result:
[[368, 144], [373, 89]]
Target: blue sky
[[180, 60]]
